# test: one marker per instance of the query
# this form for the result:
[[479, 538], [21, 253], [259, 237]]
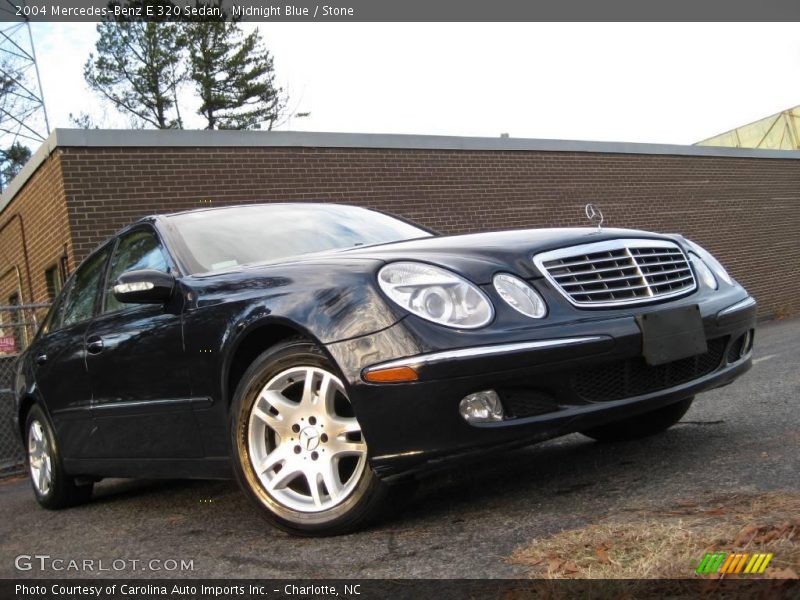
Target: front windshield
[[227, 237]]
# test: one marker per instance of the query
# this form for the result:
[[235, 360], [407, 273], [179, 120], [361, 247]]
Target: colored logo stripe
[[710, 563], [722, 562]]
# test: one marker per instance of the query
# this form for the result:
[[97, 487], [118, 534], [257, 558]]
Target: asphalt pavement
[[741, 438]]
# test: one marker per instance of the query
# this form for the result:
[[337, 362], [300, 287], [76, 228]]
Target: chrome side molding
[[478, 351]]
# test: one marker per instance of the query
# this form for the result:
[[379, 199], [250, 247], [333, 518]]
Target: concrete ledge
[[27, 171], [166, 138], [171, 138]]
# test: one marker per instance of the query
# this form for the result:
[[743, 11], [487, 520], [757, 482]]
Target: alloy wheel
[[304, 441], [39, 458]]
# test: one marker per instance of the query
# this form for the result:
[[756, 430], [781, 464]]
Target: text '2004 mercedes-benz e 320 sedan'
[[320, 353]]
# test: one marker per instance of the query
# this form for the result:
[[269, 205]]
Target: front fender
[[328, 302]]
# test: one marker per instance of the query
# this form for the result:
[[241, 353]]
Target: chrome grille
[[618, 272]]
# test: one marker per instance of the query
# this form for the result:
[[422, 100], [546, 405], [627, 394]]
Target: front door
[[137, 366], [59, 357]]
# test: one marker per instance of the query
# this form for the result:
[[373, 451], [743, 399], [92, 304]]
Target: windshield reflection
[[224, 238]]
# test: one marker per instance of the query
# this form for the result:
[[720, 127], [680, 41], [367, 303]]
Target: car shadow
[[548, 474], [109, 491]]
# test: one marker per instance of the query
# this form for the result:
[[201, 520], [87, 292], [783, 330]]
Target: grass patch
[[667, 543]]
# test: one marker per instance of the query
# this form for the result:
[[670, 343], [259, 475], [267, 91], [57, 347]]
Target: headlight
[[712, 262], [702, 270], [520, 296], [436, 294]]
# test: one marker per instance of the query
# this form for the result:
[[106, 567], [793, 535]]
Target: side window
[[136, 250], [52, 321], [84, 289]]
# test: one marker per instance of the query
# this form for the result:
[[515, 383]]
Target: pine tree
[[233, 75], [12, 159], [138, 68]]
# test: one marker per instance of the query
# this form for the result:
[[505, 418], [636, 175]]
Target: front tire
[[641, 426], [298, 450], [52, 486]]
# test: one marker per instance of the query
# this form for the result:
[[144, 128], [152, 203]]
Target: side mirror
[[145, 286]]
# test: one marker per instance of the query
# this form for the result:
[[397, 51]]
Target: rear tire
[[292, 417], [52, 486], [641, 426]]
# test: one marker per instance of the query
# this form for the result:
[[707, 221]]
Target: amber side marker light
[[391, 375]]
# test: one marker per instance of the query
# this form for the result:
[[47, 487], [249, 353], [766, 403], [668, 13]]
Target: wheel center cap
[[309, 438]]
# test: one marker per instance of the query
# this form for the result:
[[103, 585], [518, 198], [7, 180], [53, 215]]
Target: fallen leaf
[[746, 535], [571, 567], [602, 555], [554, 564]]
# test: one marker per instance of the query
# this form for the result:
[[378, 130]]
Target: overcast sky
[[669, 83]]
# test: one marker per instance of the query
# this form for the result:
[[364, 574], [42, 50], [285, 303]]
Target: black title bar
[[401, 589], [402, 10]]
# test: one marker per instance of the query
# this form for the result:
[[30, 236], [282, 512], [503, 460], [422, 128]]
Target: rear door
[[137, 365], [59, 359]]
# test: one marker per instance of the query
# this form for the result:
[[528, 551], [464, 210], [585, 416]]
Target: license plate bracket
[[672, 334]]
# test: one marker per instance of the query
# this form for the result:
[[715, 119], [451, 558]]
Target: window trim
[[71, 281], [127, 231], [57, 306]]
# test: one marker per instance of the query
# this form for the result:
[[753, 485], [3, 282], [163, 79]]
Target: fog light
[[481, 407]]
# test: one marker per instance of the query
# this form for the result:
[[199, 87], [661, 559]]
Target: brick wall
[[745, 210], [36, 219]]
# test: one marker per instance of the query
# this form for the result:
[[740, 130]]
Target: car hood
[[479, 256]]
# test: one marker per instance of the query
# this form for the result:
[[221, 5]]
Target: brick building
[[82, 185]]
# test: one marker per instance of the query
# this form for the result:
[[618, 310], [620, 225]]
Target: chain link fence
[[18, 325]]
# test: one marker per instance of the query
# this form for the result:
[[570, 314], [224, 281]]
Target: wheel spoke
[[42, 480], [284, 477], [327, 393], [280, 422], [314, 485], [343, 427], [345, 447], [273, 459], [330, 475], [308, 389], [274, 422], [279, 402]]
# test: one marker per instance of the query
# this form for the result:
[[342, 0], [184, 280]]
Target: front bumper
[[584, 374]]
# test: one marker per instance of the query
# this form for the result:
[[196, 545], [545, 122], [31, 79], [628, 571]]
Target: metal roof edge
[[175, 138]]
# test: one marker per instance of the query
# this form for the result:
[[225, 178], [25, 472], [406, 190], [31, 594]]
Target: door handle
[[41, 359], [94, 345]]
